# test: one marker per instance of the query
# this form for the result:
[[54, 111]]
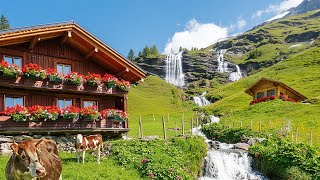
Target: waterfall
[[201, 100], [226, 162], [235, 76], [222, 65], [174, 73]]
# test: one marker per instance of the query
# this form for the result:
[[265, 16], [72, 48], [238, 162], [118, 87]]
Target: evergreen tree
[[154, 50], [4, 24], [131, 55], [140, 54], [146, 51]]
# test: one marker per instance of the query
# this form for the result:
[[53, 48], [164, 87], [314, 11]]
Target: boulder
[[243, 146]]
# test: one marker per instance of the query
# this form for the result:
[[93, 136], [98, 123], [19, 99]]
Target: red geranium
[[123, 85], [90, 113], [3, 64], [93, 79], [34, 71]]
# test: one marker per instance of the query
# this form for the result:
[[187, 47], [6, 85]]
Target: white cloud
[[195, 35], [277, 8], [241, 23]]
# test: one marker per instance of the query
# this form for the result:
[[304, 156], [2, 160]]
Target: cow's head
[[79, 138], [27, 160]]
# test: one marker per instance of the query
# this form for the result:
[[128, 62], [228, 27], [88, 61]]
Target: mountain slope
[[305, 6], [301, 72]]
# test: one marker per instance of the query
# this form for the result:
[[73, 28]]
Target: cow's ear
[[40, 141], [15, 147]]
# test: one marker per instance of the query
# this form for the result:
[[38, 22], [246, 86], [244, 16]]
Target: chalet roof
[[262, 80], [77, 37]]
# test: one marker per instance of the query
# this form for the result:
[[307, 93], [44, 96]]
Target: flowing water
[[174, 73], [235, 76], [223, 67], [225, 162], [201, 100]]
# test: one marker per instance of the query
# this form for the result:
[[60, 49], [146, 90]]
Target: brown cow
[[92, 142], [34, 159]]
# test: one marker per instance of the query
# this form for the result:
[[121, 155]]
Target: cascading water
[[201, 100], [174, 73], [235, 76], [225, 162]]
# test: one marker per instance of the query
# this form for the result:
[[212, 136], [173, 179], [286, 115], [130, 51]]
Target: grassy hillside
[[300, 72], [155, 96]]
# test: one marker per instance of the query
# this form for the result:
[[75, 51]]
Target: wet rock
[[243, 146]]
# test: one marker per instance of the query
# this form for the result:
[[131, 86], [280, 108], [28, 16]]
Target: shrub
[[295, 173]]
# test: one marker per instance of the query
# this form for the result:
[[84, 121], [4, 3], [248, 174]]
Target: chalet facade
[[62, 49], [265, 89]]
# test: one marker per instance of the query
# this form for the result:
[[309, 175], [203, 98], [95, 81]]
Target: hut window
[[13, 60], [271, 92], [64, 68], [260, 95], [89, 103], [12, 101], [63, 103]]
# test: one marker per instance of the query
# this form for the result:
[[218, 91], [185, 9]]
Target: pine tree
[[4, 24], [146, 51], [154, 50], [140, 54], [131, 55]]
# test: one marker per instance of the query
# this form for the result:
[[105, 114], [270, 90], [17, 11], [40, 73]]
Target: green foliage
[[4, 23], [131, 55], [154, 50], [253, 54], [170, 159], [275, 157], [296, 173], [217, 132], [146, 51]]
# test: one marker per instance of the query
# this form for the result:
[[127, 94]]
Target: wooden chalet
[[267, 87], [66, 47]]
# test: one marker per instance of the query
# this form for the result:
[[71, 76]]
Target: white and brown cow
[[34, 159], [92, 142]]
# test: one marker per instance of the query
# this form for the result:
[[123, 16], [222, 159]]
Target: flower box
[[55, 79], [34, 71], [34, 83]]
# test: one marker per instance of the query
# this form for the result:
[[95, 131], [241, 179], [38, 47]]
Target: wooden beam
[[122, 72], [66, 37], [34, 42], [92, 52]]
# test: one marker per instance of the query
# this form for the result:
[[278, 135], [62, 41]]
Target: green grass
[[90, 170], [301, 72], [155, 96]]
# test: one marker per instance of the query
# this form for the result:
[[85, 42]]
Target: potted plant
[[43, 112], [54, 76], [18, 113], [9, 70], [110, 80], [70, 112], [90, 114], [34, 71], [74, 78], [114, 114], [53, 111], [93, 79], [123, 85]]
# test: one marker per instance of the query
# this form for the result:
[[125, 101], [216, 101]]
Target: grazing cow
[[92, 142], [34, 159]]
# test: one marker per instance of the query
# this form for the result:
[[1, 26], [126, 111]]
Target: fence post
[[191, 125], [260, 126], [296, 139], [176, 129], [164, 128], [140, 127], [154, 119], [182, 124], [310, 136]]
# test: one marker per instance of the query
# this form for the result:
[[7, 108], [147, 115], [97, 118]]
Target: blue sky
[[125, 24]]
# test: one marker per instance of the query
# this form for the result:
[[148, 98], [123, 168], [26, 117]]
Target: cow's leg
[[83, 155], [78, 155], [98, 153]]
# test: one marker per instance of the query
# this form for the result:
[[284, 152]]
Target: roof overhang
[[77, 37], [250, 90]]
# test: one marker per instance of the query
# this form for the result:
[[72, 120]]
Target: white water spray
[[235, 76], [222, 64], [201, 100], [174, 73]]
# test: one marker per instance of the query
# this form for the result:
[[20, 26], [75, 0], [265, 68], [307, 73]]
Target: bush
[[295, 173], [173, 159]]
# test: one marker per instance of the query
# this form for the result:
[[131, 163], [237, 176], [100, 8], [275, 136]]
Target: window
[[271, 92], [13, 60], [63, 103], [12, 101], [64, 68], [89, 103], [260, 95]]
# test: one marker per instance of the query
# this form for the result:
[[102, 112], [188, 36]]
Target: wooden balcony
[[23, 83], [61, 126]]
